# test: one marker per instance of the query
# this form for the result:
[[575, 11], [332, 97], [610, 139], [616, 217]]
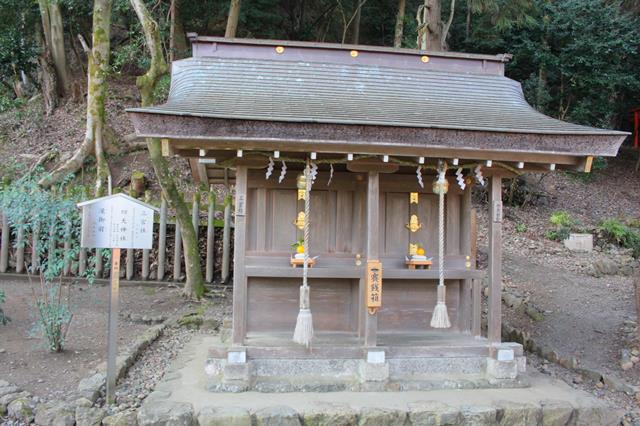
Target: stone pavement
[[181, 399]]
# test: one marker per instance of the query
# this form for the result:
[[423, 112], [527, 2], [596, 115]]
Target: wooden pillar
[[239, 276], [465, 311], [4, 244], [226, 239], [373, 253], [162, 239], [211, 229], [495, 260]]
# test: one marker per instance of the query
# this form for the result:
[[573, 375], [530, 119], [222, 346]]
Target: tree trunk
[[399, 32], [98, 65], [232, 20], [429, 19], [47, 74], [467, 30], [355, 37], [445, 30], [54, 39], [194, 286], [177, 38]]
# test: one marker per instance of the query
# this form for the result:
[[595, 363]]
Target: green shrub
[[521, 227], [3, 318], [53, 315], [563, 223], [622, 235], [52, 215]]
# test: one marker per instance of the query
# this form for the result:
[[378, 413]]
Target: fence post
[[35, 240], [66, 269], [195, 213], [4, 244], [130, 267], [211, 214], [20, 248], [226, 239], [145, 253], [177, 253], [162, 239], [82, 254]]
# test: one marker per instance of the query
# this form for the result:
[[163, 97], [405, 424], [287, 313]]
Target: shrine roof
[[314, 84]]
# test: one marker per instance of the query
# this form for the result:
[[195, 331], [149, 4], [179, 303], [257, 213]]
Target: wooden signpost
[[116, 222]]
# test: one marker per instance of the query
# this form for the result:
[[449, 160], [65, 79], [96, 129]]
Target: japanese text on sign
[[374, 285], [117, 222]]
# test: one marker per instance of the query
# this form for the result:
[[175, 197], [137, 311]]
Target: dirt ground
[[25, 360], [583, 316]]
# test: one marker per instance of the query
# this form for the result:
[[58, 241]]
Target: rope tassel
[[440, 318], [303, 333]]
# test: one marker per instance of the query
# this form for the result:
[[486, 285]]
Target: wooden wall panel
[[282, 212], [407, 305], [394, 217], [428, 214], [452, 224], [344, 225], [252, 219], [273, 304]]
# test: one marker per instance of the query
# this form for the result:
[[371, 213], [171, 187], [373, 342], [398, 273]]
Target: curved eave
[[188, 131]]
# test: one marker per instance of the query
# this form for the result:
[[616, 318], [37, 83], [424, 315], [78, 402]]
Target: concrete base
[[375, 371], [545, 402]]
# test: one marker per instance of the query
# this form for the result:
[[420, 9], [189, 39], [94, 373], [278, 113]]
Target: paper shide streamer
[[478, 173], [419, 176], [330, 174], [283, 172], [269, 168], [460, 178]]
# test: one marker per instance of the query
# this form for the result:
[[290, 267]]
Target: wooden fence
[[164, 262]]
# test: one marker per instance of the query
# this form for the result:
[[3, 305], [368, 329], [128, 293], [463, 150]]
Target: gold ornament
[[301, 184], [299, 222], [413, 198], [413, 224]]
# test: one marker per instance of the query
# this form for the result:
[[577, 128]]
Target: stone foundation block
[[370, 372], [514, 413], [479, 415], [556, 413], [277, 415], [169, 413], [502, 369], [432, 413], [329, 414], [371, 416], [224, 416], [236, 372]]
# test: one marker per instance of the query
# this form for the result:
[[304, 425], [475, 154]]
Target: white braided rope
[[303, 333], [307, 213], [440, 318], [441, 231]]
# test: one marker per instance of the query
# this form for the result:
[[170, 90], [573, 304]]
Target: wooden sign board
[[374, 285], [117, 221]]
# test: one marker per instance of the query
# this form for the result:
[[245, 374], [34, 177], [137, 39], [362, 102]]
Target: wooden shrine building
[[374, 135]]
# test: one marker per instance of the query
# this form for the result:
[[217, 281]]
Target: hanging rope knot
[[440, 318], [303, 333]]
